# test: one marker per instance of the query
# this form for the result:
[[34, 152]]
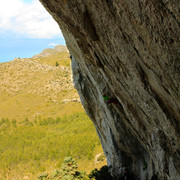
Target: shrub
[[69, 170], [57, 64], [43, 176], [69, 167], [55, 173]]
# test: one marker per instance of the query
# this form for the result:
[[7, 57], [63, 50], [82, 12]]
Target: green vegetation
[[69, 171], [38, 86], [46, 142], [44, 120], [57, 64]]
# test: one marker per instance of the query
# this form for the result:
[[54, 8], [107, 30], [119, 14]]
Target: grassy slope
[[35, 88], [31, 148]]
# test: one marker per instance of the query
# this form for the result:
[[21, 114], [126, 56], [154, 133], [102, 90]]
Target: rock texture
[[130, 51]]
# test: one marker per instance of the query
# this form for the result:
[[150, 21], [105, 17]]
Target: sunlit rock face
[[128, 50]]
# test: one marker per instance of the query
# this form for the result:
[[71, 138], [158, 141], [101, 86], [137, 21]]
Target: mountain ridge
[[49, 51]]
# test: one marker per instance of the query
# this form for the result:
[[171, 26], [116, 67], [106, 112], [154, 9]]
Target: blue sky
[[26, 28]]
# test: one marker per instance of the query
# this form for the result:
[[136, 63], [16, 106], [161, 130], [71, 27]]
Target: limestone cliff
[[128, 50]]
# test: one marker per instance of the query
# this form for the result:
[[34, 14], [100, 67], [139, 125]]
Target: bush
[[57, 64], [43, 176], [68, 171]]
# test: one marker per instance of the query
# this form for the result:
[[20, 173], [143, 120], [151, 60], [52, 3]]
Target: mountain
[[38, 86], [49, 52]]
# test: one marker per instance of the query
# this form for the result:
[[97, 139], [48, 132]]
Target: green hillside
[[30, 148], [41, 118], [36, 87]]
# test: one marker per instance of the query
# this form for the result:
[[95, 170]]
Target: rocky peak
[[128, 52], [61, 48], [49, 51]]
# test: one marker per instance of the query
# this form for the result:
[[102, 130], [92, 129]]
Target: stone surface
[[128, 50]]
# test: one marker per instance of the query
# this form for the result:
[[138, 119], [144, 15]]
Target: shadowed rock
[[128, 50]]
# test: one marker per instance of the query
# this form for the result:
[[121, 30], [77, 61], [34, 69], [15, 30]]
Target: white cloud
[[53, 44], [28, 19]]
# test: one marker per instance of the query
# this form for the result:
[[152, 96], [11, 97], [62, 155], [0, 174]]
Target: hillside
[[36, 87], [41, 118]]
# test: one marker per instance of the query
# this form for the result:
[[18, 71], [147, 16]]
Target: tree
[[57, 64]]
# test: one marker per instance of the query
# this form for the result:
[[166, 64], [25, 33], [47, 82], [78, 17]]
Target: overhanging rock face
[[128, 50]]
